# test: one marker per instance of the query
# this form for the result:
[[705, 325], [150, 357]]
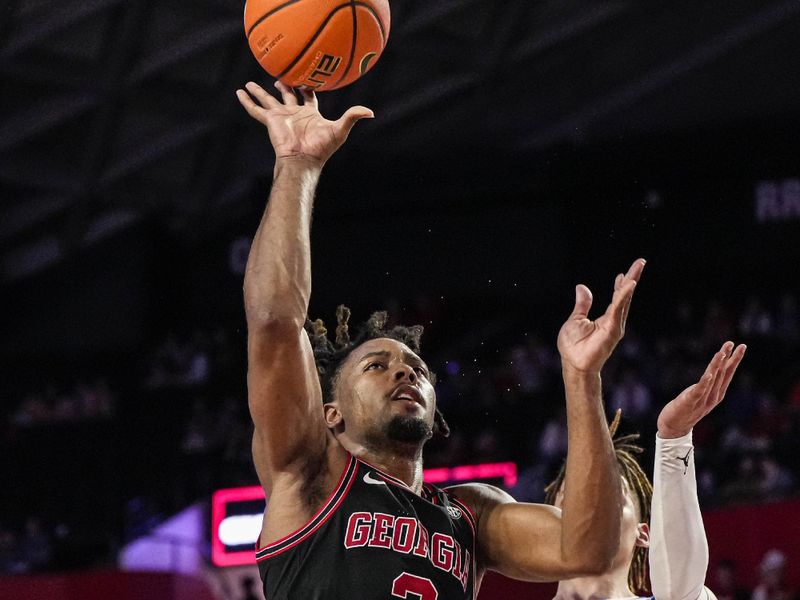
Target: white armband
[[678, 546]]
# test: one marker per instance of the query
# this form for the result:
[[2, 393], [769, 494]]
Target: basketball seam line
[[312, 40], [269, 14], [377, 18], [352, 46], [319, 31]]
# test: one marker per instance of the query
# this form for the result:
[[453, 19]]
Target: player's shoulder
[[479, 496]]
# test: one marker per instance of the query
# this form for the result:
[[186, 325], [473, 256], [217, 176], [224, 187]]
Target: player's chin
[[409, 429]]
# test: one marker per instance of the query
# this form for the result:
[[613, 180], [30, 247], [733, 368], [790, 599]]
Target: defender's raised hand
[[684, 412], [297, 130], [585, 345]]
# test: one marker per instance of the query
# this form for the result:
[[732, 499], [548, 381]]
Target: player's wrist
[[574, 372], [671, 433], [299, 163]]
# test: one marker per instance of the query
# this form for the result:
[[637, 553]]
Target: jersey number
[[411, 587]]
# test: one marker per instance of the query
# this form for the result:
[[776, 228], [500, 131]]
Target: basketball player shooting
[[340, 426], [675, 536]]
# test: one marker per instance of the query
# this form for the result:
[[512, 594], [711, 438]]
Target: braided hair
[[640, 487], [330, 355]]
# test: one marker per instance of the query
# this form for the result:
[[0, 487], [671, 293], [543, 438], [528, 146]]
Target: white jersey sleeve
[[678, 546]]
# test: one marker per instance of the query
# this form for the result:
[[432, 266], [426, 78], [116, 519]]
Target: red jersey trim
[[320, 517]]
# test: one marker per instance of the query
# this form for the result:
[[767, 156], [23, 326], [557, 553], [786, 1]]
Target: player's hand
[[585, 345], [296, 129], [684, 412]]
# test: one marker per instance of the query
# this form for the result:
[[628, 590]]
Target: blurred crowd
[[79, 401], [499, 388]]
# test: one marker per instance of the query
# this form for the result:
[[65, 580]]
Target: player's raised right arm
[[283, 390]]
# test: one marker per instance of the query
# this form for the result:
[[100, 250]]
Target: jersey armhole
[[328, 507]]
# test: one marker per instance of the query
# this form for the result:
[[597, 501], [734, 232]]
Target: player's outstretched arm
[[283, 390], [678, 546], [541, 543]]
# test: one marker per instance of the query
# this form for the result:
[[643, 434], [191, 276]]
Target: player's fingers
[[713, 371], [264, 98], [635, 272], [583, 302], [349, 118], [618, 281], [702, 389], [721, 361], [718, 361], [309, 97], [721, 384], [251, 107], [287, 93], [731, 364], [617, 311]]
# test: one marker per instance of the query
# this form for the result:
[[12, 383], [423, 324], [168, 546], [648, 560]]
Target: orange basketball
[[319, 44]]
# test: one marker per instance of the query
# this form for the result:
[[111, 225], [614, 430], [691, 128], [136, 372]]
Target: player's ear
[[642, 535], [333, 417]]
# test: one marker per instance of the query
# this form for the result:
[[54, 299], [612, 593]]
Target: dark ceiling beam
[[119, 49], [215, 34], [29, 258], [431, 14], [154, 148], [213, 166], [421, 100], [28, 212], [41, 25], [590, 18], [575, 126], [44, 115]]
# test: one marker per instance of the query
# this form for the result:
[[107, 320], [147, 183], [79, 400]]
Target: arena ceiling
[[114, 112]]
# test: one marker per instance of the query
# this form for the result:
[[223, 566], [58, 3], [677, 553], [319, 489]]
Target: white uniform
[[678, 545]]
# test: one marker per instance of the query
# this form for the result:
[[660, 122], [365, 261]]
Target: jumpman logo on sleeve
[[685, 460]]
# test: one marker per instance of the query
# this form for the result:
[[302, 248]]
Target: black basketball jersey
[[375, 539]]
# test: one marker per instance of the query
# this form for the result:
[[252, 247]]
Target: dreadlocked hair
[[330, 355], [640, 487]]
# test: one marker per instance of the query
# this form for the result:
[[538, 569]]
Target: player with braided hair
[[340, 426], [661, 523], [638, 491], [329, 356]]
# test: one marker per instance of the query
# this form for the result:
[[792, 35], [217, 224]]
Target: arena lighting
[[236, 512]]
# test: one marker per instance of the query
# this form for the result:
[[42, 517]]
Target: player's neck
[[613, 584], [404, 466], [400, 460]]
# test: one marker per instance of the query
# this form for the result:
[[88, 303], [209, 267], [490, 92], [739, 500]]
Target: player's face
[[633, 534], [384, 394]]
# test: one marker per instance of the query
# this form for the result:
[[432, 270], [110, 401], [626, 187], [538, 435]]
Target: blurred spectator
[[632, 396], [772, 582], [747, 486], [755, 321], [717, 326], [725, 582], [80, 403], [553, 441], [742, 399], [787, 323], [35, 546], [455, 451], [777, 481], [489, 447], [11, 561]]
